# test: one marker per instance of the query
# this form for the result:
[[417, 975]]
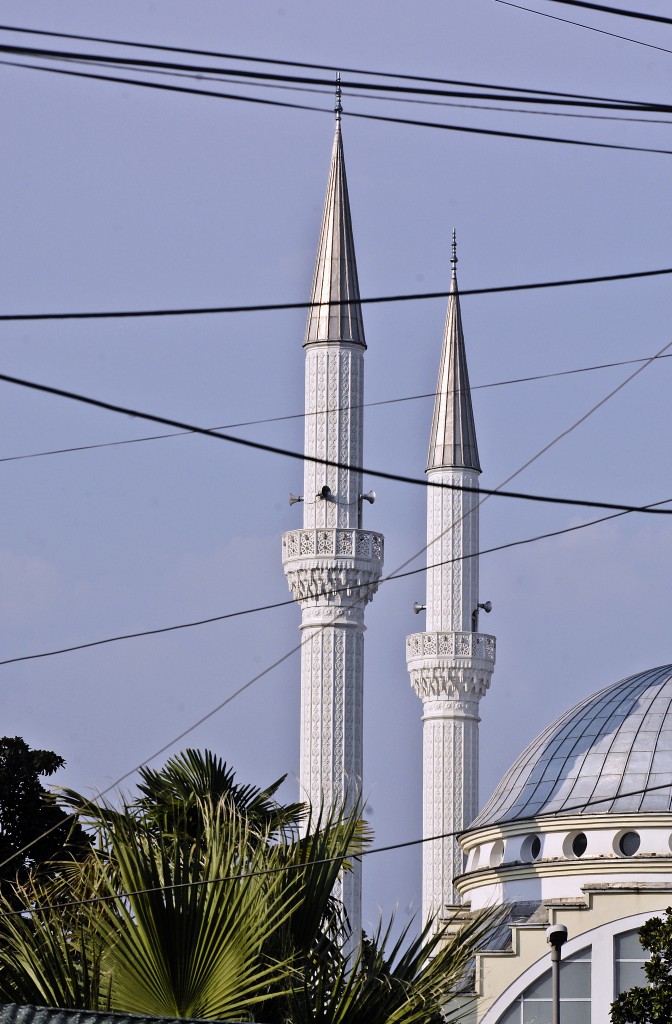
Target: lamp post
[[556, 935]]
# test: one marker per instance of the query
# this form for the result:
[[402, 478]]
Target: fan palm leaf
[[194, 776], [50, 958], [195, 921], [415, 983]]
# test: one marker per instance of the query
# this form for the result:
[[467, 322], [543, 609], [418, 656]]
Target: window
[[579, 844], [535, 1002], [497, 853], [629, 960], [530, 849], [628, 844], [575, 844]]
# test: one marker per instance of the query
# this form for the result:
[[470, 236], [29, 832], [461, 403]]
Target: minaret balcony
[[361, 546], [336, 565], [451, 666]]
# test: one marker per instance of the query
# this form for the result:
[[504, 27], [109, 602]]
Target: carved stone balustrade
[[450, 665], [335, 566]]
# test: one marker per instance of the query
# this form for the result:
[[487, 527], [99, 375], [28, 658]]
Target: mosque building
[[579, 831]]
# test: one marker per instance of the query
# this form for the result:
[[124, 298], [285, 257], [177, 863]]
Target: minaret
[[333, 565], [451, 662]]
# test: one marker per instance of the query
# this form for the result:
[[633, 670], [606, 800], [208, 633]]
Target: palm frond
[[416, 982], [195, 950]]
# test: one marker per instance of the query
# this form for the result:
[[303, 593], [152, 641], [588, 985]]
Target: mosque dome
[[615, 747]]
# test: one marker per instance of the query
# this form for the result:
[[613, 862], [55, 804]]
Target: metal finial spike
[[453, 258], [338, 109]]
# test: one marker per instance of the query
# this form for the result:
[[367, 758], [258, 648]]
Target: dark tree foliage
[[650, 1003], [29, 815], [172, 796]]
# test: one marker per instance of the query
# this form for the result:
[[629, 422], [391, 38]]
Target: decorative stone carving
[[450, 665], [320, 565]]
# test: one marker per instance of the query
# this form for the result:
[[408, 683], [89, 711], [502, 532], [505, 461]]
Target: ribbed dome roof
[[616, 742]]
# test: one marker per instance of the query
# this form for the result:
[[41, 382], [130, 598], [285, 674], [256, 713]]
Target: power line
[[325, 593], [511, 135], [334, 68], [255, 78], [261, 872], [616, 10], [492, 132], [362, 598], [398, 574], [578, 24], [498, 490], [266, 307], [162, 750], [328, 91], [321, 412], [302, 457]]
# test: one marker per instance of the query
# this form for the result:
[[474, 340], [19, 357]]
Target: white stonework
[[579, 831], [332, 564], [450, 664], [452, 531]]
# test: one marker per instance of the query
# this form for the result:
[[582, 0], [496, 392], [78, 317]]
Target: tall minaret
[[451, 663], [333, 565]]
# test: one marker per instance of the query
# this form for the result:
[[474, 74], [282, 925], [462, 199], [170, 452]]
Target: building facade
[[579, 831]]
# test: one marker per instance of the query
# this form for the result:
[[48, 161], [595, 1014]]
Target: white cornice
[[564, 823], [583, 868]]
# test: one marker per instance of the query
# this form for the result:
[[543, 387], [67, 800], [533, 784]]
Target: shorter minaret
[[332, 564], [451, 663]]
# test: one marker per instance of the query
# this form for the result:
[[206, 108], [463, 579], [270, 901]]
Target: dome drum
[[573, 844], [552, 858]]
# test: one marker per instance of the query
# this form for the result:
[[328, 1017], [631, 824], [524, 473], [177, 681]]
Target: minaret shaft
[[331, 714], [450, 747], [452, 533], [332, 565], [333, 432]]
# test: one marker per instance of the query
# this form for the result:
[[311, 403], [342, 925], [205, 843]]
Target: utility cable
[[334, 68], [396, 575], [659, 18], [578, 24], [302, 457], [542, 451], [325, 593], [124, 314], [322, 412], [173, 423], [328, 92], [262, 872], [464, 129], [255, 78], [297, 647]]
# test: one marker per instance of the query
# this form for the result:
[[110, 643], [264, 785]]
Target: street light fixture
[[556, 935]]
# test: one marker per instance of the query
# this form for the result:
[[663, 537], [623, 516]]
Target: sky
[[114, 197]]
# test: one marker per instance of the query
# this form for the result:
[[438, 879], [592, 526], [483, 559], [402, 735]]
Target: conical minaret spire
[[333, 565], [451, 662], [335, 313], [453, 436]]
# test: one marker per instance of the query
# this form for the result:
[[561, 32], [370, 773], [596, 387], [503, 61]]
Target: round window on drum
[[628, 844], [575, 844], [497, 853], [530, 849]]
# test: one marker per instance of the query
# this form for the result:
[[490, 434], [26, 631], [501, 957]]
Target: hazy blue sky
[[115, 197]]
